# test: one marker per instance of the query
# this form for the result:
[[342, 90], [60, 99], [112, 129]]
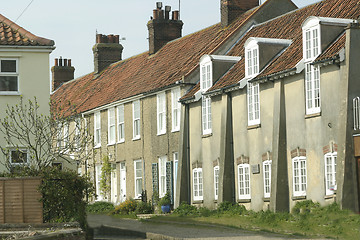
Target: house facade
[[24, 72], [132, 106], [280, 124]]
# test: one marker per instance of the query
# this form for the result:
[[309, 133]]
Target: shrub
[[64, 193], [144, 208], [100, 207], [185, 209], [166, 200], [231, 208], [126, 207], [305, 207], [204, 212]]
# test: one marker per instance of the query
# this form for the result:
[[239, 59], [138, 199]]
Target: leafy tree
[[37, 140], [105, 181]]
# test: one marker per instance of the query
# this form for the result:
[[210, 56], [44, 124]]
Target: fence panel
[[19, 200]]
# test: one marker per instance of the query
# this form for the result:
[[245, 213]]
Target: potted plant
[[165, 202]]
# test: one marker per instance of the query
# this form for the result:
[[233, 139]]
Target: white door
[[122, 182], [114, 185], [97, 179]]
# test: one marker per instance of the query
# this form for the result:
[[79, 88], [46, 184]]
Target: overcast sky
[[72, 24]]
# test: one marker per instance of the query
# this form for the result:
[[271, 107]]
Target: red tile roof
[[288, 26], [13, 34], [143, 73]]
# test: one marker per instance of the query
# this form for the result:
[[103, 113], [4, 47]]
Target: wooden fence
[[19, 200]]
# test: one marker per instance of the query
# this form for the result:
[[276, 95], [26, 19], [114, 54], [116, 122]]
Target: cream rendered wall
[[34, 80]]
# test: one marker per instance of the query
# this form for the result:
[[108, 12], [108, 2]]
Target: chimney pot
[[175, 15], [65, 62], [110, 38], [161, 14], [155, 14], [159, 5], [60, 62], [98, 38], [56, 62], [69, 62], [117, 39], [167, 12]]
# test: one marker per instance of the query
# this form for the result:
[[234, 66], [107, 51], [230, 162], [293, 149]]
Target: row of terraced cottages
[[261, 109]]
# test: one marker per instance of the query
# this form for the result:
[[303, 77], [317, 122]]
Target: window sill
[[313, 115], [97, 146], [162, 133], [10, 93], [267, 199], [215, 201], [110, 144], [175, 130], [330, 196], [254, 126], [121, 141], [244, 200], [136, 138], [298, 197], [206, 135], [198, 201]]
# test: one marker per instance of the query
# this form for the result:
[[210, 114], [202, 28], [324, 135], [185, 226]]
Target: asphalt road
[[118, 228]]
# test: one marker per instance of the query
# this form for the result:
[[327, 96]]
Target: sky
[[73, 24]]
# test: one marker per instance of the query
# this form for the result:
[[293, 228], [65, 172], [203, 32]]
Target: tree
[[37, 140]]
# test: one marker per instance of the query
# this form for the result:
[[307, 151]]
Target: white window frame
[[356, 111], [77, 133], [111, 126], [162, 176], [97, 129], [311, 43], [161, 113], [312, 89], [98, 169], [267, 178], [330, 173], [197, 184], [251, 61], [206, 81], [206, 115], [22, 150], [120, 123], [138, 178], [11, 74], [175, 109], [253, 102], [216, 182], [299, 176], [244, 186], [136, 119], [66, 137]]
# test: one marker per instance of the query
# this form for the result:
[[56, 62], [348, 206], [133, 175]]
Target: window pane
[[19, 156], [8, 65], [8, 83]]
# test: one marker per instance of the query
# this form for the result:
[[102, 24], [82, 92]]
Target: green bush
[[100, 207], [231, 208], [166, 200], [126, 207], [144, 208], [305, 207], [64, 193], [185, 209], [204, 212]]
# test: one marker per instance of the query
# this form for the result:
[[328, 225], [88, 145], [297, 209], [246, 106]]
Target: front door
[[114, 185], [122, 182]]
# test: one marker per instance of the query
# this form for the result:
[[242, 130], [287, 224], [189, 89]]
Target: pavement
[[109, 227]]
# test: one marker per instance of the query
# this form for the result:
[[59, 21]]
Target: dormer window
[[314, 40], [206, 83], [252, 61], [206, 80]]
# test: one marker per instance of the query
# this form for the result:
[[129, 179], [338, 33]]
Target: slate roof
[[143, 73], [12, 34], [287, 26]]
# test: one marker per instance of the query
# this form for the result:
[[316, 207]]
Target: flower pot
[[165, 208]]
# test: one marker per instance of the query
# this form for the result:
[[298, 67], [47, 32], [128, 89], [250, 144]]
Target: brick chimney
[[61, 72], [107, 50], [231, 9], [162, 29]]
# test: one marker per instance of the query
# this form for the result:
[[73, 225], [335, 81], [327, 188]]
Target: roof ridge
[[26, 33]]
